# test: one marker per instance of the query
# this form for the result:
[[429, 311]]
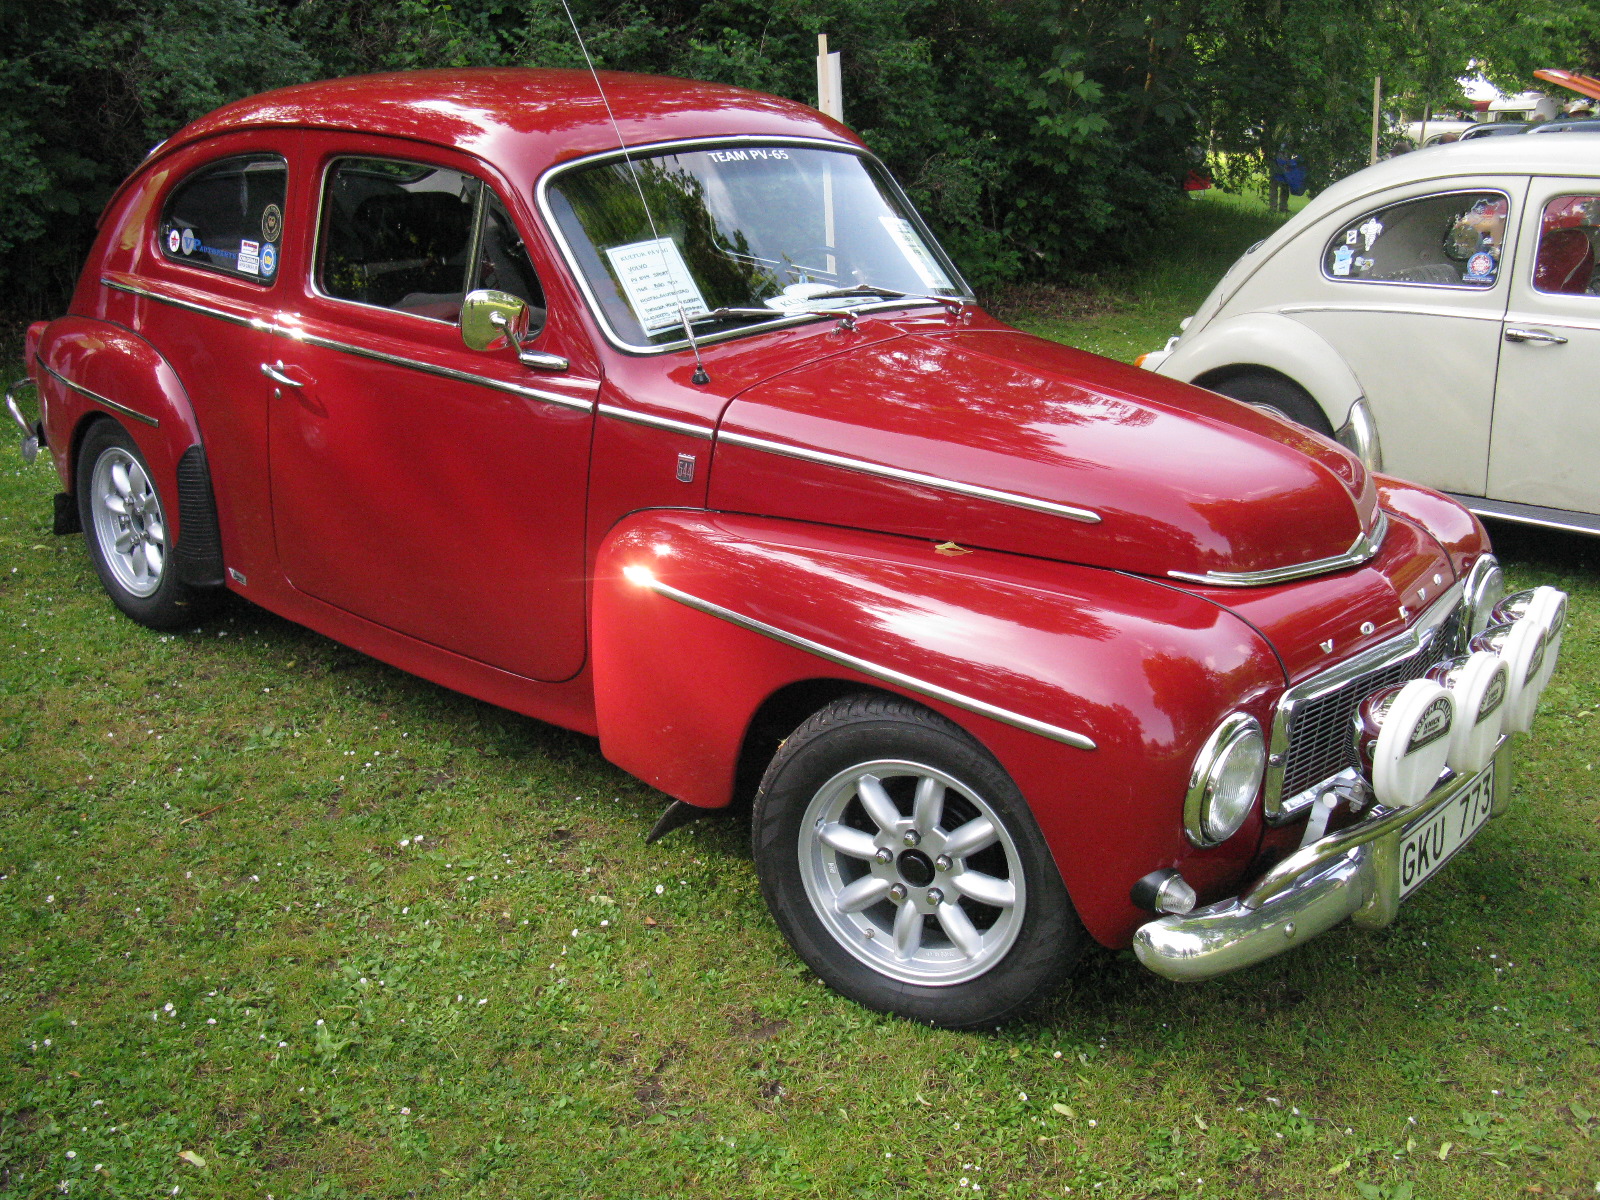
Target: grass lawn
[[276, 919]]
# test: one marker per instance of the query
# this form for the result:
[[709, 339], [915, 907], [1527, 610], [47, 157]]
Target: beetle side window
[[417, 238], [1451, 240], [228, 217], [1569, 232]]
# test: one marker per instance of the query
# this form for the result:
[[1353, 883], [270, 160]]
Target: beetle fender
[[1093, 689], [1277, 343], [87, 368]]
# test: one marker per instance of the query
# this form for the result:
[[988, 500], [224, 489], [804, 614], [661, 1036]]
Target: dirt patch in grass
[[1047, 302]]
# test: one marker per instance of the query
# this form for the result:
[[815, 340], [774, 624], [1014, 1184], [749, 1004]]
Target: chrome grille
[[1313, 733]]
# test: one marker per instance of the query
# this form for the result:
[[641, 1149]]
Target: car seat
[[1565, 262]]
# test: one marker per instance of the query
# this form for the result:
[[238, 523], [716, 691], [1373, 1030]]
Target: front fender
[[1093, 689], [1277, 343]]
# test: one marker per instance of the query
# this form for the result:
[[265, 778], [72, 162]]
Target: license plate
[[1426, 847]]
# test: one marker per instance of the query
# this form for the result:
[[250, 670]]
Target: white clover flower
[[660, 888]]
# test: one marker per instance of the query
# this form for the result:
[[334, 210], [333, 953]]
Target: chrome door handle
[[278, 373], [1515, 333]]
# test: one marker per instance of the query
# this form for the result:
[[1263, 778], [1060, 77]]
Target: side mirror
[[488, 316]]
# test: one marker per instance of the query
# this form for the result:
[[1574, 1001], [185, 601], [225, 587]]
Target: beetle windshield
[[737, 235]]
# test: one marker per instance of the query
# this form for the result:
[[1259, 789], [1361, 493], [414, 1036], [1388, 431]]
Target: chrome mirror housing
[[487, 316]]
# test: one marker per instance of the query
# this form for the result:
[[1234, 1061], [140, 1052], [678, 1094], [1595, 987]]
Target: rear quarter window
[[1451, 240], [228, 217]]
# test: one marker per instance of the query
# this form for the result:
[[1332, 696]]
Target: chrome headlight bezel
[[1485, 587], [1216, 806]]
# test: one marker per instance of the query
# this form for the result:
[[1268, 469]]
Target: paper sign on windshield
[[923, 263], [657, 281]]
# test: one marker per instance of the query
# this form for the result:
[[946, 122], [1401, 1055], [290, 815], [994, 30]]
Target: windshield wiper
[[954, 303]]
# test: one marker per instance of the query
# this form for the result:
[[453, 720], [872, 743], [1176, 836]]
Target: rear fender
[[1094, 690], [1277, 344], [87, 370]]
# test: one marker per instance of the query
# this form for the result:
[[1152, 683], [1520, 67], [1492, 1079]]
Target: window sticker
[[657, 283], [174, 241], [1342, 258], [922, 262], [271, 225], [1370, 229], [1480, 268], [189, 242], [249, 258], [1350, 236], [269, 259]]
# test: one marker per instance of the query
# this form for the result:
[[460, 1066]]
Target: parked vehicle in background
[[702, 447], [1446, 302]]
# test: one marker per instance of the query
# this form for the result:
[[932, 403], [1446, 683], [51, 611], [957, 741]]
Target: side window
[[417, 238], [1569, 231], [228, 217], [1453, 240]]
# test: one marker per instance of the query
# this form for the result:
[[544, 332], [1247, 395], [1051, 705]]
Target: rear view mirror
[[488, 316]]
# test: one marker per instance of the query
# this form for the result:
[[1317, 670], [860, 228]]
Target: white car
[[1446, 300]]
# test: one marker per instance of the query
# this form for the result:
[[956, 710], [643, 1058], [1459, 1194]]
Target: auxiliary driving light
[[1404, 736], [1523, 645], [1479, 682]]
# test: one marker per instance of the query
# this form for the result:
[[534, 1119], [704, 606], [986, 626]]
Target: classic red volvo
[[659, 414]]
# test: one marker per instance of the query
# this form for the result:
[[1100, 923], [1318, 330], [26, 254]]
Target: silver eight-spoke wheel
[[912, 872], [127, 521]]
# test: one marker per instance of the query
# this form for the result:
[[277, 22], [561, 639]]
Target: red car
[[659, 414]]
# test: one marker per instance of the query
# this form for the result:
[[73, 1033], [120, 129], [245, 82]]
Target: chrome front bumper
[[32, 433], [1352, 873]]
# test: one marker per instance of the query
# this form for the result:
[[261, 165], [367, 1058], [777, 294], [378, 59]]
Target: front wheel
[[129, 536], [1279, 396], [903, 865]]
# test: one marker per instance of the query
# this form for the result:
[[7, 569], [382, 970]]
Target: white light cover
[[1481, 688], [1549, 606], [1524, 651], [1414, 744]]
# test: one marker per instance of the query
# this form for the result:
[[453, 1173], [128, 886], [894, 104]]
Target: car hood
[[991, 437]]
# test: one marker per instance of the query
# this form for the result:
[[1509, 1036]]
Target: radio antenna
[[700, 376]]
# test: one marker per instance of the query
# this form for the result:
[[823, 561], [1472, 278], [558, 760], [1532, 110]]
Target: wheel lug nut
[[884, 855], [942, 862], [897, 893], [912, 837], [935, 896]]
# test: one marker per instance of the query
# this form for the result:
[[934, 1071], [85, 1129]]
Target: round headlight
[[1486, 586], [1225, 780]]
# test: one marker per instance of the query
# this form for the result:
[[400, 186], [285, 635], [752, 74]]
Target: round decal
[[271, 223], [174, 241], [1481, 264], [189, 241], [269, 259]]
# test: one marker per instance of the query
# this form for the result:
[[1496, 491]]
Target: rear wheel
[[129, 536], [903, 865], [1280, 396]]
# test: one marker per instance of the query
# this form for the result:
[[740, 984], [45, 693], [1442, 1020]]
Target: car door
[[1545, 448], [1399, 298], [432, 489]]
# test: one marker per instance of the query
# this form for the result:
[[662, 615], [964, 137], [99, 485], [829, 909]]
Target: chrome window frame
[[1344, 226], [651, 149]]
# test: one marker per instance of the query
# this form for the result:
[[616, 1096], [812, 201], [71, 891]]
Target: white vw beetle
[[1447, 300]]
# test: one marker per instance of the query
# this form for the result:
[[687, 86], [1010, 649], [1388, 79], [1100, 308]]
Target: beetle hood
[[990, 437]]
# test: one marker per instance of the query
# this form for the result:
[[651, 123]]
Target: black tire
[[815, 790], [132, 548], [1283, 397]]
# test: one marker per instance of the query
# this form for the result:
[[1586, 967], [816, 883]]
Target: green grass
[[337, 932]]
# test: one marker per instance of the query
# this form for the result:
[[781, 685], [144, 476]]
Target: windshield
[[758, 230]]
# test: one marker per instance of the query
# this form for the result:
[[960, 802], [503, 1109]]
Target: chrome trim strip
[[553, 226], [886, 674], [1088, 516], [95, 396], [1363, 548], [311, 339], [1416, 640], [638, 418]]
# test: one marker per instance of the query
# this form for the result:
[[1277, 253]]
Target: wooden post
[[1377, 105], [830, 86]]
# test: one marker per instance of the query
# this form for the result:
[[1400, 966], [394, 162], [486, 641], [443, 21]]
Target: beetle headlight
[[1225, 781], [1486, 587]]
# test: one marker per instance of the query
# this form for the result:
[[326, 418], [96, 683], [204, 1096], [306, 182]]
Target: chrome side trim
[[95, 396], [1088, 516], [886, 674], [1418, 639], [1363, 548], [311, 339], [655, 422]]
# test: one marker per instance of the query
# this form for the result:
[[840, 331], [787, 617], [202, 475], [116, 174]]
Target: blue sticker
[[1480, 267], [189, 241], [269, 259], [1341, 260]]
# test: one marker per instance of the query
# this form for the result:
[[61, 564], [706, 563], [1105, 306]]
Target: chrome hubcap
[[128, 524], [912, 872]]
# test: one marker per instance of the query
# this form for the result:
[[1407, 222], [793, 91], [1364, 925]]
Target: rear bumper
[[1353, 873]]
